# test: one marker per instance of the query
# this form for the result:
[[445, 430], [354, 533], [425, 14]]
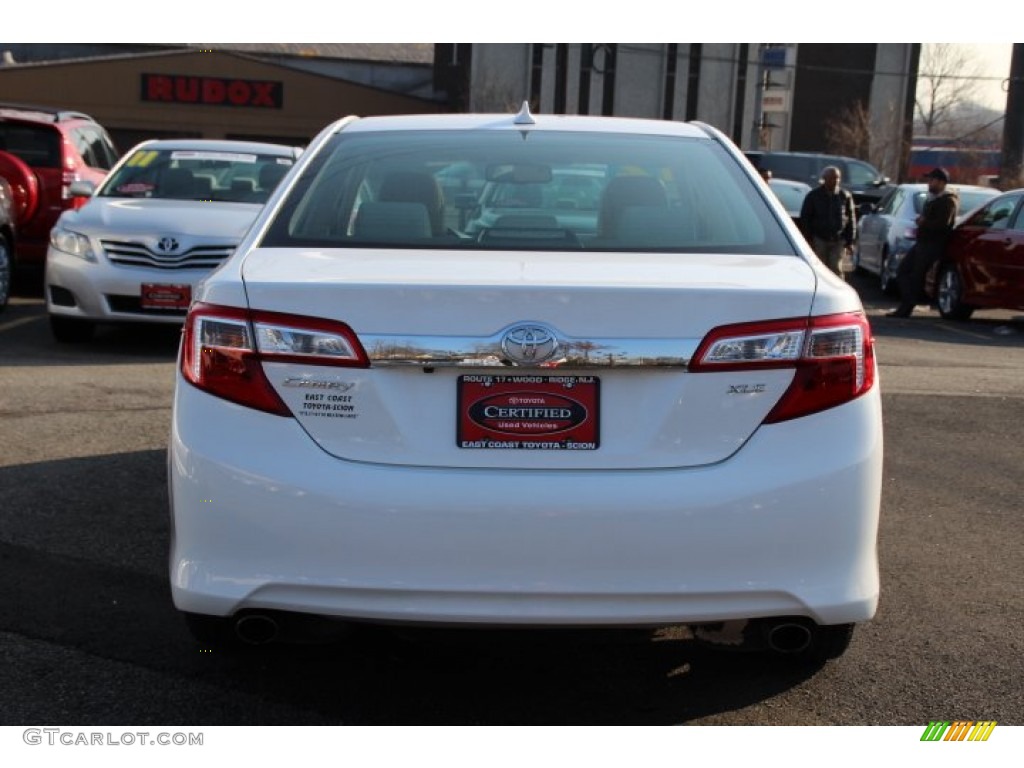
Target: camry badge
[[302, 381], [167, 244], [529, 344], [746, 389]]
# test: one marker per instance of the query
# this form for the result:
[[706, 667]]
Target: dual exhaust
[[786, 636]]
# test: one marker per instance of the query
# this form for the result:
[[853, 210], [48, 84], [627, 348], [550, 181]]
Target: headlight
[[66, 241]]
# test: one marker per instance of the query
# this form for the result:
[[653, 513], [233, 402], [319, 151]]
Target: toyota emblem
[[167, 244], [529, 344]]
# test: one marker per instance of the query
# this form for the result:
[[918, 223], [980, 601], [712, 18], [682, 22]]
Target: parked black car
[[862, 179]]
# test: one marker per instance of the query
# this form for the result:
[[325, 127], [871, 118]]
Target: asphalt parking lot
[[88, 635]]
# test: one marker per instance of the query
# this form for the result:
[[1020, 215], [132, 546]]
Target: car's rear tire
[[950, 294], [71, 331], [6, 257]]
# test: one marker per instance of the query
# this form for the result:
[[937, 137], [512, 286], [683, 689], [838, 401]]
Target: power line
[[838, 70]]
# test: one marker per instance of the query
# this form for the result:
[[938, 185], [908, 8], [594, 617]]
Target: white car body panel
[[295, 529], [651, 417]]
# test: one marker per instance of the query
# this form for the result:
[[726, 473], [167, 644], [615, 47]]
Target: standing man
[[933, 227], [829, 221]]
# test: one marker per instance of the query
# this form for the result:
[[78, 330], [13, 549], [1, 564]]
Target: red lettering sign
[[262, 94], [238, 93], [186, 89], [158, 88], [213, 91]]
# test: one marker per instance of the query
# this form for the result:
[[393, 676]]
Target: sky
[[994, 59]]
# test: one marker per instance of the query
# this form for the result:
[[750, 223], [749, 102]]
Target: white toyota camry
[[524, 370]]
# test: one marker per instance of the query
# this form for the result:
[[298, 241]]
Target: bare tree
[[848, 132], [878, 138], [947, 78]]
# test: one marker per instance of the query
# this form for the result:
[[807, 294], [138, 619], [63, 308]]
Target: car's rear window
[[526, 190], [791, 195], [191, 174], [37, 146]]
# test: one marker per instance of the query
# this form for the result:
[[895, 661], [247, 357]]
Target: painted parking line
[[965, 332], [19, 322]]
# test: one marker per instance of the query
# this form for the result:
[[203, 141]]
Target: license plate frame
[[165, 296], [528, 412]]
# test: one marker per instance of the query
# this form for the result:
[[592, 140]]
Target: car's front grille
[[135, 254]]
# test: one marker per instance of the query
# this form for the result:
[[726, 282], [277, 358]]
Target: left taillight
[[223, 350], [833, 358]]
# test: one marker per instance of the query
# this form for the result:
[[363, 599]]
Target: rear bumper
[[786, 527]]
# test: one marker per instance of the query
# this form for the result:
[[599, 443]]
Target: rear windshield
[[512, 190], [36, 146], [180, 174]]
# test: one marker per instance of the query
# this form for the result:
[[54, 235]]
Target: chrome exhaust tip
[[256, 629], [789, 637]]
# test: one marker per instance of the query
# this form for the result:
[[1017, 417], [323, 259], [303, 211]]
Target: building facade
[[218, 93], [764, 96]]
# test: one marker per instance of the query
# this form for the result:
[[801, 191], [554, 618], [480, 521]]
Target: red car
[[984, 263], [52, 159]]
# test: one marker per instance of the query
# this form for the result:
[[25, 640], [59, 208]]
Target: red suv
[[43, 153]]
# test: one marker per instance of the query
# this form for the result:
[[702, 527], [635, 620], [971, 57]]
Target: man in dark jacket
[[829, 221], [933, 228]]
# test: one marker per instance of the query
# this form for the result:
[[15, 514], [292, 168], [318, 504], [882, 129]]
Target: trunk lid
[[441, 327]]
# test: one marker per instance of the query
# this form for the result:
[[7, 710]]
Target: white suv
[[652, 408]]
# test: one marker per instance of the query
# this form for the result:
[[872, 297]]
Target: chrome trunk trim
[[476, 351]]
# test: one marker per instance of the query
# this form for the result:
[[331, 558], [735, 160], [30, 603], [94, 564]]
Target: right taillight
[[833, 358], [223, 349]]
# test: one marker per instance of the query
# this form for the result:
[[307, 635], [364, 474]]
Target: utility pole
[[1012, 172]]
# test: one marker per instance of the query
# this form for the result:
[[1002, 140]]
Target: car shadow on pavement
[[83, 550], [26, 340]]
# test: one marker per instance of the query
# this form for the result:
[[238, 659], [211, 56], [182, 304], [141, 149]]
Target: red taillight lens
[[224, 347], [833, 357]]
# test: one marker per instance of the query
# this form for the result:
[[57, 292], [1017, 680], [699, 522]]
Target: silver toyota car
[[167, 214]]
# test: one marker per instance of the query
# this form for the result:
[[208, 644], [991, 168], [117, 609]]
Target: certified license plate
[[528, 412], [166, 295]]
